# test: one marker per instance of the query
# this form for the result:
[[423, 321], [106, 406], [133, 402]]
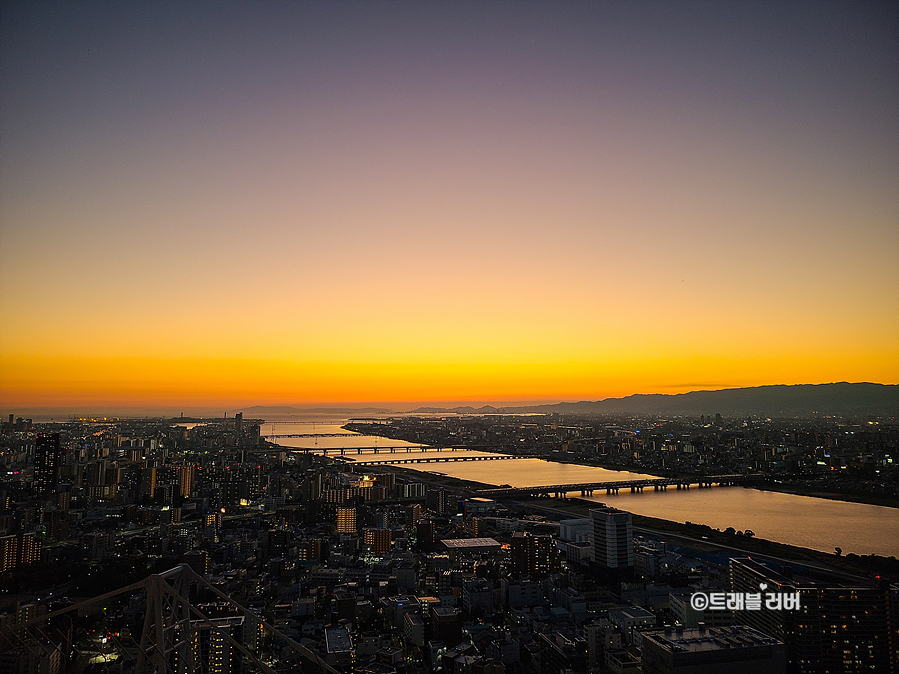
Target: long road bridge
[[439, 459], [310, 435], [587, 488], [376, 449]]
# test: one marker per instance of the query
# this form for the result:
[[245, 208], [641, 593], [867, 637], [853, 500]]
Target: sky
[[237, 203]]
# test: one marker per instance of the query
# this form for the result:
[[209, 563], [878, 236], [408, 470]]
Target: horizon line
[[405, 406]]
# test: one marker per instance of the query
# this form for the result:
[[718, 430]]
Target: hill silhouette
[[798, 400]]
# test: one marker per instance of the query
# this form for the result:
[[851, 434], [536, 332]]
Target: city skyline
[[351, 203]]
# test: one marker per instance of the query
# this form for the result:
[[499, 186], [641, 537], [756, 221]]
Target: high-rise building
[[415, 490], [346, 520], [446, 625], [185, 480], [312, 549], [212, 650], [437, 501], [413, 514], [533, 555], [425, 535], [836, 629], [19, 549], [378, 540], [46, 464], [29, 549], [148, 477], [9, 548], [613, 539]]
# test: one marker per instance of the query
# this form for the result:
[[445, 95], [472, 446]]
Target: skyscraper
[[46, 464], [613, 539]]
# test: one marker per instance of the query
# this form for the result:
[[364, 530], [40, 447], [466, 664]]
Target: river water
[[819, 524]]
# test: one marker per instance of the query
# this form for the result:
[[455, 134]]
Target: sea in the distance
[[819, 524]]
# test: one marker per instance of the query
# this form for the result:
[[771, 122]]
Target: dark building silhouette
[[711, 650], [425, 535], [446, 624], [46, 464], [533, 555], [837, 629], [559, 654]]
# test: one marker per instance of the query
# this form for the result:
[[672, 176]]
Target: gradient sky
[[232, 203]]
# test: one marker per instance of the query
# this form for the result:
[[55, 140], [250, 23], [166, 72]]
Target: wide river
[[820, 524]]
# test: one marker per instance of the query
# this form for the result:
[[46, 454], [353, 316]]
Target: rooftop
[[337, 640], [469, 543], [696, 639]]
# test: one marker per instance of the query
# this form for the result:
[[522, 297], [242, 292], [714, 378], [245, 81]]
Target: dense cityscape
[[298, 560], [458, 337]]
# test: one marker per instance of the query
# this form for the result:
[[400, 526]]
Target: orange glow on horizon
[[68, 382], [326, 203]]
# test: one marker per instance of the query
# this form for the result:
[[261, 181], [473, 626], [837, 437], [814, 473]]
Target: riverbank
[[702, 538], [784, 488], [698, 537], [801, 490], [763, 484]]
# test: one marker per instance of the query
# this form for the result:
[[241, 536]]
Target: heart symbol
[[763, 586]]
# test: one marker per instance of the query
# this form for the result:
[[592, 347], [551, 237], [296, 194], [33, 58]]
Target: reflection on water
[[809, 522], [325, 427], [805, 521]]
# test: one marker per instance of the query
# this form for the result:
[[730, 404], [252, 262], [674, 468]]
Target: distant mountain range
[[800, 400]]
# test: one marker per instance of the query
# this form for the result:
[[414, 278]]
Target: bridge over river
[[271, 436], [438, 459], [383, 449], [587, 488]]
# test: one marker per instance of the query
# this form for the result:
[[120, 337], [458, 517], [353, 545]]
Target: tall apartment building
[[346, 520], [613, 540], [836, 629], [19, 549], [46, 464], [185, 480], [533, 555], [378, 540]]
